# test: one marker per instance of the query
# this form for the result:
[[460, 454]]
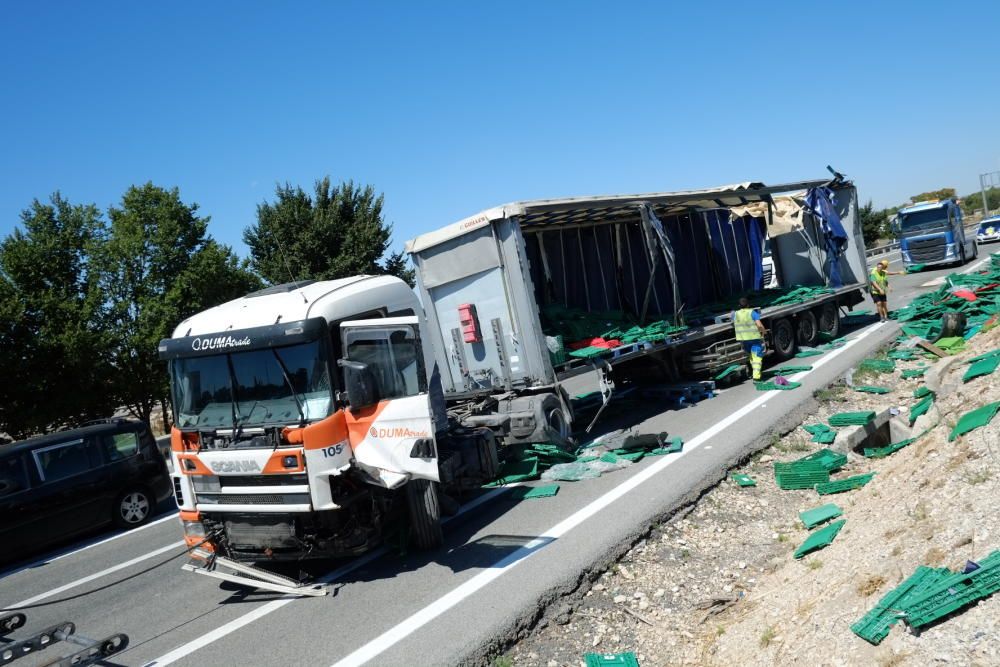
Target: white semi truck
[[310, 417]]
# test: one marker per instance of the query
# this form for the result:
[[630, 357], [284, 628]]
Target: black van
[[58, 486]]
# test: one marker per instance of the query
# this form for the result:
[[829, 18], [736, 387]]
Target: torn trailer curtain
[[737, 244], [821, 203]]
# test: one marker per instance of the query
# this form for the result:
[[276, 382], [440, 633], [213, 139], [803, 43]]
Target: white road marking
[[970, 269], [402, 630], [237, 623], [96, 575], [91, 545], [934, 283]]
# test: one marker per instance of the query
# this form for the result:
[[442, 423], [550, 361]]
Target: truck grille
[[253, 499], [766, 279], [262, 480], [927, 250]]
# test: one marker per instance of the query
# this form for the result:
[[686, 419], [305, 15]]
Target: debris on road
[[743, 480], [974, 419], [842, 485]]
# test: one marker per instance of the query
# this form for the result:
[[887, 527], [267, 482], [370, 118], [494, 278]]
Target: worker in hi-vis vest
[[750, 333]]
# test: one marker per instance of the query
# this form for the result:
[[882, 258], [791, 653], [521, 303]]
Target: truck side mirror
[[359, 384], [894, 226]]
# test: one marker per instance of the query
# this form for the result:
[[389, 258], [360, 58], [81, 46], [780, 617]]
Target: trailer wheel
[[975, 250], [425, 513], [806, 329], [555, 420], [783, 338], [828, 316]]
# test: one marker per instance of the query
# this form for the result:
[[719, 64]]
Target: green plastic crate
[[819, 539], [611, 660], [744, 480], [852, 418], [841, 485], [829, 459], [800, 474], [818, 515]]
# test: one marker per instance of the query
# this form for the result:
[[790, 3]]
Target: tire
[[132, 508], [425, 513], [828, 319], [961, 256], [783, 339], [806, 328], [556, 422], [952, 324], [975, 250]]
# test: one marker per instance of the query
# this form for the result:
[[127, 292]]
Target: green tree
[[974, 202], [943, 193], [337, 232], [874, 224], [52, 345], [158, 266]]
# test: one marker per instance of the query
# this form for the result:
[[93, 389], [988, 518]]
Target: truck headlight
[[193, 528]]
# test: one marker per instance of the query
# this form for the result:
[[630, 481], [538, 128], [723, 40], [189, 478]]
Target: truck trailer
[[313, 418], [500, 288]]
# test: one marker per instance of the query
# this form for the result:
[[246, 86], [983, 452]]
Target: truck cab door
[[389, 421]]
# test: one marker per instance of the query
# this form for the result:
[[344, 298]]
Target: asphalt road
[[503, 559]]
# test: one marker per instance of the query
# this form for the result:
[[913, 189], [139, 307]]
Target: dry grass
[[870, 586], [934, 556], [768, 636]]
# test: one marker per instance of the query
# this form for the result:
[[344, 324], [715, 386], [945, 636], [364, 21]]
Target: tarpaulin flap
[[440, 265], [737, 248]]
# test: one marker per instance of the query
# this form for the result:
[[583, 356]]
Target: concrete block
[[882, 431]]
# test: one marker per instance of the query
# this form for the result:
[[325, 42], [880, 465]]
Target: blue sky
[[455, 107]]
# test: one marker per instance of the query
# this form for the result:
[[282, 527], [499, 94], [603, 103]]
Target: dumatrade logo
[[218, 343], [396, 432]]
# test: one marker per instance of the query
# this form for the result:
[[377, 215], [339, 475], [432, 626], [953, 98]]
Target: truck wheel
[[806, 329], [555, 420], [425, 513], [828, 319], [783, 338], [975, 250]]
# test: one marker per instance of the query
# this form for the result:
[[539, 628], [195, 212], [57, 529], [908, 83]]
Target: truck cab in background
[[932, 233]]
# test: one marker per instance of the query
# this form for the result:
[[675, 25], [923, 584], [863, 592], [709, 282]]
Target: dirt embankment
[[718, 585]]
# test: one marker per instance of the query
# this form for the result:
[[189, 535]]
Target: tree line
[[86, 295]]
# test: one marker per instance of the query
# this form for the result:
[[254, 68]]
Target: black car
[[61, 485]]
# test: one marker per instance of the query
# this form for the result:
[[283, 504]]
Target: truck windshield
[[283, 385], [923, 220]]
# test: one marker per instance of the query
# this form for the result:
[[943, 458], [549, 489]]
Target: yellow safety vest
[[880, 280], [746, 328]]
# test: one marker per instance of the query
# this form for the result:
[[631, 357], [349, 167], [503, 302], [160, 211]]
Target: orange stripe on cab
[[319, 435]]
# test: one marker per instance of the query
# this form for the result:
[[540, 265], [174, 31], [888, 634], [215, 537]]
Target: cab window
[[13, 476], [393, 356], [64, 460]]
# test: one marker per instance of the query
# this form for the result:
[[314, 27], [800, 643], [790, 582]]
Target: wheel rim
[[134, 507], [807, 329], [784, 337], [557, 422]]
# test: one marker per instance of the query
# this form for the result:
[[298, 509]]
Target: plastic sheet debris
[[802, 354], [744, 480], [571, 472], [920, 392], [787, 370], [819, 539], [915, 268], [952, 344], [820, 515], [911, 373], [974, 419], [729, 372], [842, 485]]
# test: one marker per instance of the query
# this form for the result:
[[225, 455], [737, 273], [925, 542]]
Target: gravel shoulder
[[717, 583]]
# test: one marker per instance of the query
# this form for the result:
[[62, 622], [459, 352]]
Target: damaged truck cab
[[303, 422]]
